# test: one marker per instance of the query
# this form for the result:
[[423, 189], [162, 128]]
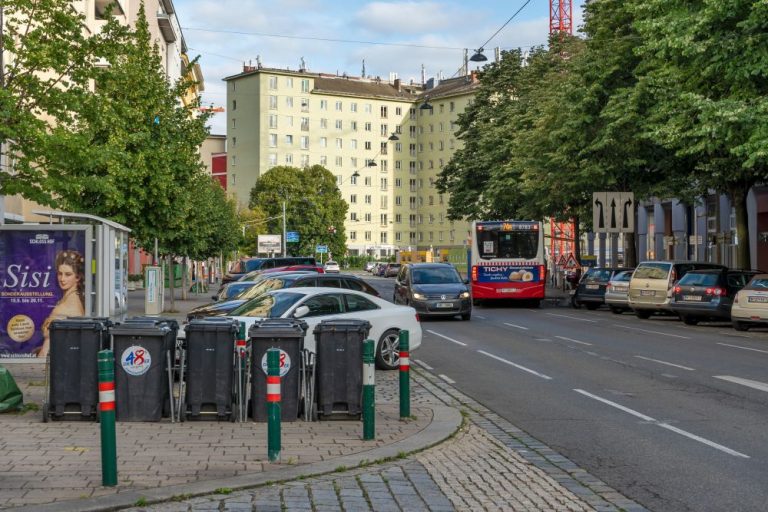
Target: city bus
[[507, 260]]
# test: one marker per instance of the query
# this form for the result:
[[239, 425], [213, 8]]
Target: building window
[[304, 141], [289, 82], [398, 147], [353, 144], [323, 104], [353, 199], [273, 82], [398, 164], [338, 124], [289, 140], [367, 181], [338, 106], [368, 127], [339, 161], [305, 104], [383, 148], [368, 108], [273, 159], [273, 102], [323, 142], [234, 104], [398, 218], [233, 181], [273, 140], [273, 120], [353, 180], [234, 141], [383, 165], [353, 107], [305, 160], [339, 144], [412, 131], [398, 236], [398, 201], [289, 121], [323, 123], [368, 199], [383, 183], [367, 217], [353, 235], [234, 123], [384, 130], [384, 111], [398, 111], [323, 160], [233, 160], [289, 159], [384, 202], [305, 86], [442, 107], [368, 145], [353, 125], [353, 216], [383, 237], [289, 101], [353, 162], [451, 106], [368, 236]]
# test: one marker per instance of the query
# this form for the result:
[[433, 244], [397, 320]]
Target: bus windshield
[[507, 244]]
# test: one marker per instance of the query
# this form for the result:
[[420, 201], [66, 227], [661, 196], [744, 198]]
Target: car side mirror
[[301, 312]]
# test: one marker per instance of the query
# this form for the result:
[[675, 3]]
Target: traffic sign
[[292, 236], [613, 212], [321, 249], [561, 260], [571, 263]]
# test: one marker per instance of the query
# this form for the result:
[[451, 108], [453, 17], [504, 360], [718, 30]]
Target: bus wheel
[[536, 303]]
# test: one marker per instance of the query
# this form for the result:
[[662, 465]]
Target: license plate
[[509, 290], [757, 298], [692, 297], [444, 304], [593, 287], [649, 293]]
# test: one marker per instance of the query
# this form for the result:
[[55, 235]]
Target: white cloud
[[409, 17]]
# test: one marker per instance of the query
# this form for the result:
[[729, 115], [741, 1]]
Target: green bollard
[[106, 366], [405, 374], [369, 391], [241, 351], [273, 404]]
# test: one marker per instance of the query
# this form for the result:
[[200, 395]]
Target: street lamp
[[478, 56]]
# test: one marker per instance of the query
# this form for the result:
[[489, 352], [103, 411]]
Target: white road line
[[573, 318], [573, 340], [423, 364], [546, 377], [447, 338], [517, 326], [663, 425], [651, 332], [666, 363], [542, 339], [480, 317], [744, 348], [762, 386], [447, 379]]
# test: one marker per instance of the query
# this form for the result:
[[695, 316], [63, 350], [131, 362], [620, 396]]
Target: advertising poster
[[508, 274], [42, 278]]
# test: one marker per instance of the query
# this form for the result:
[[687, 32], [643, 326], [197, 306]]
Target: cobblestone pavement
[[488, 465]]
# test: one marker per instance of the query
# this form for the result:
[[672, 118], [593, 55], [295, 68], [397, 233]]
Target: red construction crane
[[560, 18]]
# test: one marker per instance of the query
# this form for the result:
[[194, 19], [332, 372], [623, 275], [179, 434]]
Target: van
[[650, 289]]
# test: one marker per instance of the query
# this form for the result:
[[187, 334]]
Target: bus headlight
[[419, 296], [464, 295]]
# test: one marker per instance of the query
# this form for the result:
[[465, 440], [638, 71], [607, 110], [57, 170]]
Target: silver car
[[616, 293]]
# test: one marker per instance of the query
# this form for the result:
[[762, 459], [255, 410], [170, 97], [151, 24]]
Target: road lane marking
[[447, 379], [573, 340], [573, 318], [663, 425], [666, 363], [480, 317], [517, 326], [423, 364], [447, 338], [651, 332], [542, 339], [534, 372], [762, 386], [744, 348]]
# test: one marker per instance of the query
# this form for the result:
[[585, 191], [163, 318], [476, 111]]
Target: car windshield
[[758, 284], [623, 276], [699, 279], [236, 288], [271, 305], [273, 283], [331, 263], [597, 275], [251, 265], [653, 271], [435, 275]]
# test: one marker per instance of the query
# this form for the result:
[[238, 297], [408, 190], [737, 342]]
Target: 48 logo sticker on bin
[[136, 360], [285, 363]]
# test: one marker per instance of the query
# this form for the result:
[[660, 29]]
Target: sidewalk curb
[[445, 423]]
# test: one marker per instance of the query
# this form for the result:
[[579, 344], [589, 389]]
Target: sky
[[335, 36]]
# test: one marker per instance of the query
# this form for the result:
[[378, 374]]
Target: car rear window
[[251, 265], [758, 284], [597, 275], [623, 276], [652, 271], [699, 279]]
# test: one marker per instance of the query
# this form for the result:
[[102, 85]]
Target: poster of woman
[[42, 278]]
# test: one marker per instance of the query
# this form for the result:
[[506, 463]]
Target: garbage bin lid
[[211, 324], [155, 320], [343, 324], [80, 323], [276, 327], [139, 329]]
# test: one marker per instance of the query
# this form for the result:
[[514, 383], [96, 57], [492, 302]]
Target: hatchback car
[[369, 266], [750, 305], [616, 292], [392, 269], [231, 290], [279, 281], [433, 289], [590, 291], [245, 265], [708, 294], [650, 289], [331, 267], [316, 304]]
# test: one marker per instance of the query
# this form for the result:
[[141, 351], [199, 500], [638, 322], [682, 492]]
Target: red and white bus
[[507, 260]]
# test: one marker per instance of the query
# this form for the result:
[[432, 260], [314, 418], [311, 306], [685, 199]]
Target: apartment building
[[379, 139]]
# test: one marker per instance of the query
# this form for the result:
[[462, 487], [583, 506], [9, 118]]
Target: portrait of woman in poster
[[70, 274]]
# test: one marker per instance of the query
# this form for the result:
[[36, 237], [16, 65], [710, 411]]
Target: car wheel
[[591, 306], [466, 316], [739, 326], [642, 314], [616, 311], [388, 350], [689, 320]]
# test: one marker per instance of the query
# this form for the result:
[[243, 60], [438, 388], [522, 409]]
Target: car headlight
[[419, 296], [464, 295]]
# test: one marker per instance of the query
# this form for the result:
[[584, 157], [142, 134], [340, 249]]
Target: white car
[[331, 267], [750, 305], [313, 305]]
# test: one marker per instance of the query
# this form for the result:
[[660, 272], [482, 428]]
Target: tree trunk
[[171, 283], [576, 239], [630, 244], [184, 282], [739, 201]]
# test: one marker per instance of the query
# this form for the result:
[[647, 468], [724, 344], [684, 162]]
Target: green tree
[[314, 207], [706, 68], [45, 60], [253, 222]]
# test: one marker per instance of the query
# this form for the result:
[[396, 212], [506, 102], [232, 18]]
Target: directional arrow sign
[[613, 212], [599, 207]]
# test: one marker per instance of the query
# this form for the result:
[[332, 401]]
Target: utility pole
[[3, 159], [285, 239]]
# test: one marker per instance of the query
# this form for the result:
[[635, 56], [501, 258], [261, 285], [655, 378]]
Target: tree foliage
[[314, 207]]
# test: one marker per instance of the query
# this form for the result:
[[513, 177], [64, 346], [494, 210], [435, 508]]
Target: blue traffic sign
[[321, 248], [292, 236]]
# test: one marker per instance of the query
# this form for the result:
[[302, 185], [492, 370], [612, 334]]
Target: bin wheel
[[387, 350], [45, 412]]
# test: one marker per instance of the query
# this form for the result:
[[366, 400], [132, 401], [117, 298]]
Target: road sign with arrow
[[613, 212]]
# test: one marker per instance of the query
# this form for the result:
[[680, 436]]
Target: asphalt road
[[672, 416]]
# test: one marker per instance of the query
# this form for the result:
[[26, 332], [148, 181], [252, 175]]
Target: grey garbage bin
[[142, 372], [73, 383], [210, 352], [288, 336], [339, 367]]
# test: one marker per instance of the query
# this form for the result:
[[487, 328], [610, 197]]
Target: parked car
[[230, 290], [590, 290], [245, 265], [616, 292], [250, 276], [433, 289], [280, 280], [708, 294], [750, 305], [650, 289], [380, 269], [331, 267], [391, 269], [369, 266], [316, 304]]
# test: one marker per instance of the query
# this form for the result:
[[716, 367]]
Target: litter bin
[[143, 377], [210, 352], [73, 384], [288, 336], [339, 367]]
